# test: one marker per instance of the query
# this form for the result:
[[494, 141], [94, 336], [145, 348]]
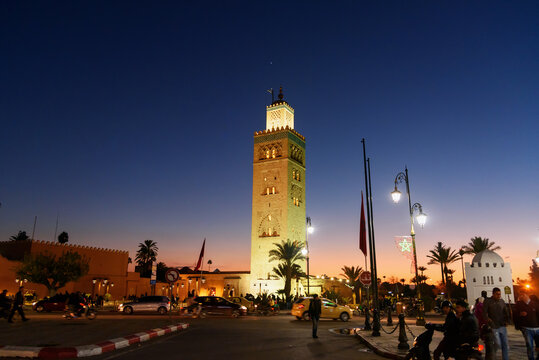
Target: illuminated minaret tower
[[278, 187]]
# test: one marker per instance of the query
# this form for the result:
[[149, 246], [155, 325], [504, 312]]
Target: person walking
[[315, 309], [17, 306], [497, 316], [450, 328], [525, 316], [468, 331]]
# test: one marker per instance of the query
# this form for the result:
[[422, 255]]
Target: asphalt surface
[[251, 337]]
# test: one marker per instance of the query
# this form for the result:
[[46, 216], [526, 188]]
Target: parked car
[[243, 301], [213, 305], [155, 304], [55, 303], [330, 310]]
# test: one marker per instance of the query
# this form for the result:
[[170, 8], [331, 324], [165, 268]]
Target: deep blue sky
[[134, 120]]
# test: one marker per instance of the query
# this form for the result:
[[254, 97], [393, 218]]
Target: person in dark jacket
[[468, 330], [17, 306], [450, 328], [315, 309], [496, 314], [526, 320]]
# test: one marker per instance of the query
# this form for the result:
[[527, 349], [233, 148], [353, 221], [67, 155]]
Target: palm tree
[[422, 269], [281, 270], [146, 254], [351, 273], [287, 253], [478, 244], [444, 256], [449, 274], [21, 236]]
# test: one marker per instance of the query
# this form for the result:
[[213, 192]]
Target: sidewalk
[[387, 345], [51, 337]]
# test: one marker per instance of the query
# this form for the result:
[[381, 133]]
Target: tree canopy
[[442, 255], [288, 253], [63, 237], [352, 275], [478, 244], [146, 254], [21, 236], [53, 272]]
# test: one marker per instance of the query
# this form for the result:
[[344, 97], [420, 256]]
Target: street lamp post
[[305, 251], [421, 219], [461, 253]]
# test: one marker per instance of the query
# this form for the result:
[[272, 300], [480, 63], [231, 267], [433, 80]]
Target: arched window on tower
[[267, 154], [273, 153], [273, 190]]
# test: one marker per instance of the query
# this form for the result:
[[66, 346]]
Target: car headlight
[[243, 308], [34, 303]]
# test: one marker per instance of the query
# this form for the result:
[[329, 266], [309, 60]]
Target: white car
[[155, 304]]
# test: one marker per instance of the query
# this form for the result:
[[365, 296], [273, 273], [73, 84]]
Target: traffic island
[[58, 352]]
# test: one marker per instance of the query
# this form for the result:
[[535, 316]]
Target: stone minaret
[[278, 187]]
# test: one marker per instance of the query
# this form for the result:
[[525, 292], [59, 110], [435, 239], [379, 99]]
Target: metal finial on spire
[[281, 93]]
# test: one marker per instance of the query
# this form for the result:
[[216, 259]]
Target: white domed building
[[487, 271]]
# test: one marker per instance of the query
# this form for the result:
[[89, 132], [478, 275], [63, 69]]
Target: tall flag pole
[[200, 257], [363, 232]]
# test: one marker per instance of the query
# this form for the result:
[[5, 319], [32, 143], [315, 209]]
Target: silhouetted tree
[[21, 236], [63, 237]]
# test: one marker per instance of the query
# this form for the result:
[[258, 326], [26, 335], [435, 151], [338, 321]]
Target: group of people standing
[[488, 322]]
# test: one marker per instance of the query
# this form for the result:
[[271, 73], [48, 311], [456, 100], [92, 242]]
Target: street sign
[[365, 278], [172, 275], [507, 290]]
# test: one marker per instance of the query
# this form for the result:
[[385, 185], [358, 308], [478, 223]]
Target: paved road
[[252, 337]]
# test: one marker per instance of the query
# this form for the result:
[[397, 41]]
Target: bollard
[[367, 319], [389, 318], [376, 323], [403, 339]]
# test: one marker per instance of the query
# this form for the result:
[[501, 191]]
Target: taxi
[[330, 310]]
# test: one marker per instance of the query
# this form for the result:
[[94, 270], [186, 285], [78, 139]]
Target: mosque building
[[487, 271]]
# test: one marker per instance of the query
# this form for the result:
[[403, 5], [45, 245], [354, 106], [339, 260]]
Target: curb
[[378, 351], [87, 350]]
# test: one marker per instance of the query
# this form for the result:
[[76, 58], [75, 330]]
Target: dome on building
[[487, 256]]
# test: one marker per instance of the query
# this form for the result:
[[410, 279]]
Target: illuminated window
[[269, 217], [267, 154], [273, 190], [298, 176], [293, 174], [273, 153], [267, 191]]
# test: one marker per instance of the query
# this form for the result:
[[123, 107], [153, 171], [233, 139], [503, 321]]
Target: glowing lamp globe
[[304, 252], [396, 195], [310, 229], [421, 219]]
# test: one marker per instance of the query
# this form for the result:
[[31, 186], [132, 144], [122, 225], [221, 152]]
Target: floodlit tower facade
[[278, 187]]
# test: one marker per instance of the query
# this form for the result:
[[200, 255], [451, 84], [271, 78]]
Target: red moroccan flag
[[201, 256], [362, 230]]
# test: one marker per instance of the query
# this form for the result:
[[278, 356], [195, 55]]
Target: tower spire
[[281, 96]]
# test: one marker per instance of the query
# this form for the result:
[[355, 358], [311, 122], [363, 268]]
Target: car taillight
[[169, 303], [301, 306], [480, 347]]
